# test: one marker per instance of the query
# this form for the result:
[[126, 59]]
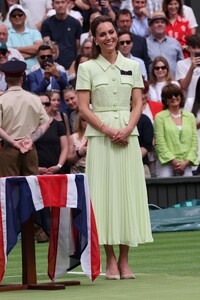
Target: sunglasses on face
[[3, 51], [124, 42], [175, 94], [47, 104], [158, 68], [19, 15], [43, 57]]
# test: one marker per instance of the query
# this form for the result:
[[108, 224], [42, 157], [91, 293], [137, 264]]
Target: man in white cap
[[25, 40]]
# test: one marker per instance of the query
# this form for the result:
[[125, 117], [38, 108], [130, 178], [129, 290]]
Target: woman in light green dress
[[114, 162]]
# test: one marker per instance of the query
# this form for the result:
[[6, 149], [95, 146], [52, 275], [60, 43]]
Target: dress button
[[112, 67], [114, 78], [116, 117], [114, 92]]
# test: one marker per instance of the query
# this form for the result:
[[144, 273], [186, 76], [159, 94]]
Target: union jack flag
[[73, 236]]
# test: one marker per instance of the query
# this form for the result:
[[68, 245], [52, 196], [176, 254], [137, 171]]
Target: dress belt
[[113, 108]]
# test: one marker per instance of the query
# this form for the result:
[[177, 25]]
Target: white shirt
[[181, 71], [14, 53], [156, 90], [37, 8], [189, 14]]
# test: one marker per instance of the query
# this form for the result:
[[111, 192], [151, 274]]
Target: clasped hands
[[179, 167], [118, 136], [24, 145]]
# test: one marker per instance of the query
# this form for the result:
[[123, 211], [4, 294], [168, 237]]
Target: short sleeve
[[138, 81], [83, 81], [45, 29]]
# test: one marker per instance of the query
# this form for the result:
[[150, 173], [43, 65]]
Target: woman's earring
[[96, 44]]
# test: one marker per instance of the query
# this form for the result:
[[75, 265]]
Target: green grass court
[[168, 269]]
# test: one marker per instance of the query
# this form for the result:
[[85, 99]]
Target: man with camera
[[188, 70], [47, 77]]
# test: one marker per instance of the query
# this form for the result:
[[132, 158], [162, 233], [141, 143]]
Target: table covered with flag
[[73, 235]]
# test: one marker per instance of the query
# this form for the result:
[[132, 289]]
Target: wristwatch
[[59, 165]]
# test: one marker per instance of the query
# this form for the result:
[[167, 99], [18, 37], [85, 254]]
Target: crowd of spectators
[[53, 37]]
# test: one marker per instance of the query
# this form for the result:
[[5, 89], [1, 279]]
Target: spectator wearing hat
[[21, 115], [153, 5], [159, 44], [24, 39], [12, 52], [4, 15]]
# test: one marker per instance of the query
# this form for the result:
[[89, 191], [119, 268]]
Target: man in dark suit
[[139, 49]]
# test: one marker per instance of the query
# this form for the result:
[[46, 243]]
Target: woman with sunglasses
[[114, 161], [175, 131], [160, 75]]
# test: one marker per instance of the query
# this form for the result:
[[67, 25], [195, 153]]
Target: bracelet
[[78, 154], [59, 165], [101, 126]]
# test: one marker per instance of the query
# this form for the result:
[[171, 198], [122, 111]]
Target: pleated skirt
[[118, 192]]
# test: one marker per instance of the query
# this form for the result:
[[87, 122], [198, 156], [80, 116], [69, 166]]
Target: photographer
[[47, 77], [188, 70]]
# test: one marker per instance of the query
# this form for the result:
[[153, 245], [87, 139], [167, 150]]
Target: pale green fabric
[[171, 143], [115, 174], [110, 90]]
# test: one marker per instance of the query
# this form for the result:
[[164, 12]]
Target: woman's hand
[[118, 136], [179, 167], [42, 170], [53, 170], [184, 164], [83, 149]]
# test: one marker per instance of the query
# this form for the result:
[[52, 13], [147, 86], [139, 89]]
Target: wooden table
[[20, 197]]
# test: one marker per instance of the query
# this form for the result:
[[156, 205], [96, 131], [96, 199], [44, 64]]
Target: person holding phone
[[47, 77], [188, 70]]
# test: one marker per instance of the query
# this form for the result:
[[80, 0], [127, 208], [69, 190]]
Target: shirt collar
[[155, 40], [104, 64], [26, 30], [15, 88], [134, 16]]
